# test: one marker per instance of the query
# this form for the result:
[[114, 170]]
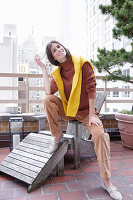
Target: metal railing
[[27, 88]]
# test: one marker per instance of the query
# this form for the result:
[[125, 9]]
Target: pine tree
[[112, 62]]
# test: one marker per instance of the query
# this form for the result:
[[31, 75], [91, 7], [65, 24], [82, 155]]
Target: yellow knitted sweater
[[71, 106]]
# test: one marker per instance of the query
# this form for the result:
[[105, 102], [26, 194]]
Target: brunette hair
[[49, 53]]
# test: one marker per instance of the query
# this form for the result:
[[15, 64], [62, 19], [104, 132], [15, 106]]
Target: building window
[[126, 40], [20, 78], [91, 48], [126, 94], [98, 3], [115, 93], [91, 24], [108, 94], [98, 32], [107, 2], [94, 10], [107, 109], [95, 35], [116, 44], [10, 33], [107, 37], [98, 17], [126, 72], [91, 12], [115, 110], [95, 20], [107, 23], [94, 46], [92, 56], [91, 2]]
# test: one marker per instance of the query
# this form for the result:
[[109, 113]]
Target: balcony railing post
[[27, 95], [105, 102]]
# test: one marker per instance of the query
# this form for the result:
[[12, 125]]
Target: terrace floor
[[81, 184]]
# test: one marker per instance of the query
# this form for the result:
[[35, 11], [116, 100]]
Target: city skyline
[[43, 17], [27, 15]]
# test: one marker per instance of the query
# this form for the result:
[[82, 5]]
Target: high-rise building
[[8, 61], [100, 35], [26, 64]]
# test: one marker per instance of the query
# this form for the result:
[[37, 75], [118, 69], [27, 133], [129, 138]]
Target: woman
[[75, 80]]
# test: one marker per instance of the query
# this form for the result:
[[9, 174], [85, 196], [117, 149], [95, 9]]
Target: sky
[[46, 18], [42, 15]]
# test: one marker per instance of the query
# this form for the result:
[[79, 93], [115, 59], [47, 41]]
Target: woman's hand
[[95, 120], [38, 61], [46, 81]]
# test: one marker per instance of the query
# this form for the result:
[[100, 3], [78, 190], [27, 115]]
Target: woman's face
[[58, 52]]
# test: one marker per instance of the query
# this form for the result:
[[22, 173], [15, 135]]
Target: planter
[[125, 125]]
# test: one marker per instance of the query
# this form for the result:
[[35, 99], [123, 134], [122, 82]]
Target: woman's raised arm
[[46, 81]]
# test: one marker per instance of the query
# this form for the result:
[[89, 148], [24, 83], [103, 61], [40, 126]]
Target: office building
[[100, 35], [8, 62]]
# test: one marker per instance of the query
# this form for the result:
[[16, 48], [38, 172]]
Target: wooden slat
[[33, 151], [45, 146], [41, 135], [45, 137], [32, 146], [35, 143], [27, 160], [29, 155], [19, 169], [23, 164], [45, 140], [17, 175]]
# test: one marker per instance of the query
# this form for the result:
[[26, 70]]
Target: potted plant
[[125, 125]]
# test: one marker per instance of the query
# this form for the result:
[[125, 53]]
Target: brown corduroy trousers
[[54, 109]]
